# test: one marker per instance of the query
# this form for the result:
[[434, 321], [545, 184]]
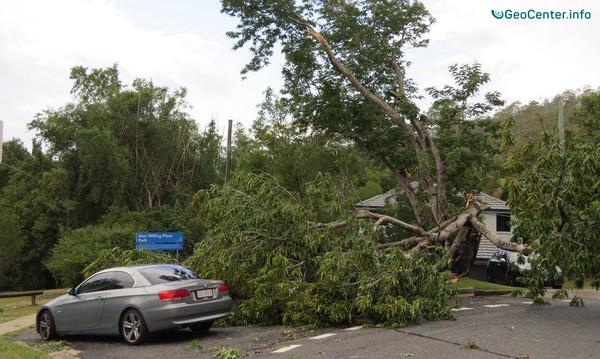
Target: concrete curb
[[65, 354], [583, 293], [472, 292], [466, 292], [489, 292]]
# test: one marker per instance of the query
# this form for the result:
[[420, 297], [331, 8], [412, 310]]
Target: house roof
[[486, 248], [389, 198], [379, 201], [494, 203]]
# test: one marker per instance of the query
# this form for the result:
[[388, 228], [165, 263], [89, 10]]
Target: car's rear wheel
[[133, 327], [47, 326], [489, 277], [201, 328]]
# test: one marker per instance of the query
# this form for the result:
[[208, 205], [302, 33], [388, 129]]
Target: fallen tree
[[345, 74], [286, 261]]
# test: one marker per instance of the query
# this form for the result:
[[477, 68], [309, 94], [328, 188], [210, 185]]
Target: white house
[[497, 218]]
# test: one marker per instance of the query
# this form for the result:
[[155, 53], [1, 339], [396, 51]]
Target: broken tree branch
[[497, 241]]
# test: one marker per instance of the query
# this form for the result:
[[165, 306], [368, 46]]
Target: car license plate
[[205, 293]]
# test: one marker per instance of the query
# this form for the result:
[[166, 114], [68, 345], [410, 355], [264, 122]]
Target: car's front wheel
[[489, 277], [47, 327], [133, 327], [512, 279]]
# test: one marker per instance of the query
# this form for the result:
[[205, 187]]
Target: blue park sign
[[172, 241]]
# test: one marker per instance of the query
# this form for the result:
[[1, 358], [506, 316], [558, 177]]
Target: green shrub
[[79, 248]]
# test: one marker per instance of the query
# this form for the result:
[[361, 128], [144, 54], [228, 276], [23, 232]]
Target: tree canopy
[[134, 147]]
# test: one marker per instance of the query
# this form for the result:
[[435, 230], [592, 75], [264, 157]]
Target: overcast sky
[[182, 43]]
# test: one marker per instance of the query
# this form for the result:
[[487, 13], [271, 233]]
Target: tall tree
[[129, 146], [345, 73]]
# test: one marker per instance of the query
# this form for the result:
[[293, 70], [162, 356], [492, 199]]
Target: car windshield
[[514, 256], [164, 274]]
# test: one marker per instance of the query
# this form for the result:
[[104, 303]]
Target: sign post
[[171, 241]]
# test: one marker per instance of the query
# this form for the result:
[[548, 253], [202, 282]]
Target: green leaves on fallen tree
[[303, 258], [555, 198]]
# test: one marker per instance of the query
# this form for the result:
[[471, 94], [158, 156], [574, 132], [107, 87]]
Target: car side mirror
[[72, 291]]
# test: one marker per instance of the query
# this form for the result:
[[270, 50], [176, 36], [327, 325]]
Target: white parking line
[[527, 302], [322, 336], [496, 305], [461, 309], [285, 349], [354, 328]]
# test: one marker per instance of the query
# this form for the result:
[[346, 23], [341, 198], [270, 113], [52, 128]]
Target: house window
[[503, 223]]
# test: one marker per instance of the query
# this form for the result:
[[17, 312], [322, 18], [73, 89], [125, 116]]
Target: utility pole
[[1, 143], [228, 163], [561, 123]]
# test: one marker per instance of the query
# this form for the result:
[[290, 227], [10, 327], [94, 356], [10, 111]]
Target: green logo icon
[[498, 14]]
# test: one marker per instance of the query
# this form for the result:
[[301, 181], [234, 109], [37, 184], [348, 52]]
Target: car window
[[123, 280], [514, 257], [164, 274], [103, 281]]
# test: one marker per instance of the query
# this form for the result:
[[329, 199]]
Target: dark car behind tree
[[505, 266]]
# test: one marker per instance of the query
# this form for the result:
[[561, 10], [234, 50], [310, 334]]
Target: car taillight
[[173, 294], [223, 288]]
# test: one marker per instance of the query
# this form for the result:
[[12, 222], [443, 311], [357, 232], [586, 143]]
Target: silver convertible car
[[134, 301]]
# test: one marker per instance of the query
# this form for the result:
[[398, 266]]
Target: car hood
[[56, 301]]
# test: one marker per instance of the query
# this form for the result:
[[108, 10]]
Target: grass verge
[[587, 284], [16, 350], [478, 285]]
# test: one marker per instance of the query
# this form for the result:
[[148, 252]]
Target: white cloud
[[527, 59], [40, 41]]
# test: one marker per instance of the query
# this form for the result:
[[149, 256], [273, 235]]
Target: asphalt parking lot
[[484, 328]]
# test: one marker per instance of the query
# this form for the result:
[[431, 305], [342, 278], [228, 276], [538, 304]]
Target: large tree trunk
[[464, 258]]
